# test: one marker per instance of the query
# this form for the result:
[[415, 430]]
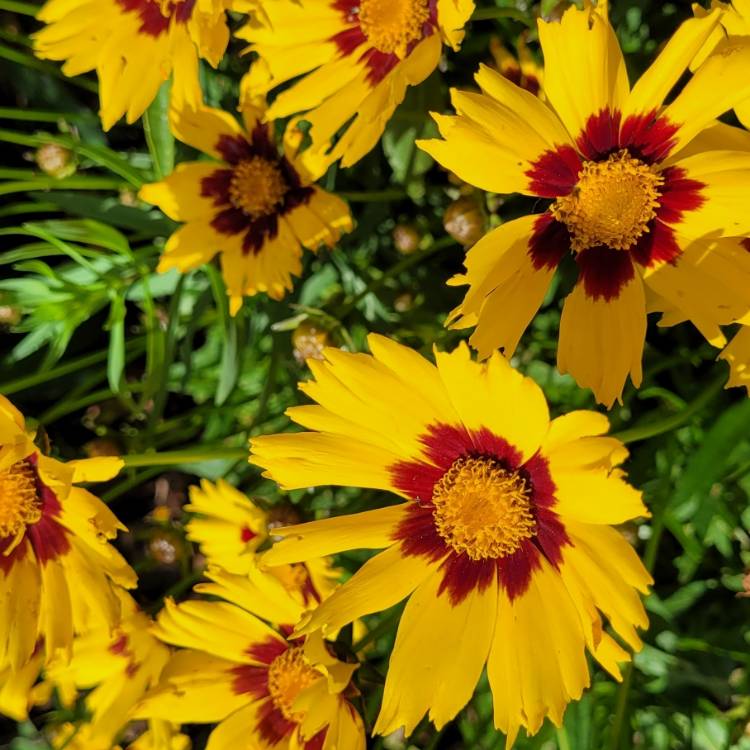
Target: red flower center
[[257, 187], [288, 675]]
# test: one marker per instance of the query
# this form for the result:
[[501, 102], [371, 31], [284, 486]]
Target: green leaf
[[116, 358], [158, 134], [229, 368]]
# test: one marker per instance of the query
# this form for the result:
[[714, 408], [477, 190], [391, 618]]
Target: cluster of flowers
[[502, 542]]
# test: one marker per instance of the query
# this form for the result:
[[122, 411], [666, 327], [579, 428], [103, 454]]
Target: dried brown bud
[[9, 315], [464, 221], [403, 303], [745, 593], [308, 342], [406, 239], [55, 160], [101, 447], [165, 546], [282, 515]]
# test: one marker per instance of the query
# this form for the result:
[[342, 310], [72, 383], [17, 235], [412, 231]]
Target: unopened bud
[[165, 546], [403, 303], [101, 447], [56, 161], [308, 342], [9, 315], [406, 239], [464, 221]]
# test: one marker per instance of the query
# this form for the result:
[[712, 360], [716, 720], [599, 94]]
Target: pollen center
[[482, 509], [392, 25], [20, 504], [257, 187], [612, 204], [288, 675]]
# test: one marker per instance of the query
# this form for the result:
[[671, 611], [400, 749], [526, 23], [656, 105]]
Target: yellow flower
[[57, 568], [229, 528], [160, 735], [356, 59], [521, 68], [115, 667], [242, 673], [634, 194], [134, 46], [503, 545], [256, 206], [735, 22], [17, 687]]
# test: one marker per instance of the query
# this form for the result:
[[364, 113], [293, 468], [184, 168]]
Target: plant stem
[[672, 422], [373, 196], [493, 14], [13, 6], [622, 705], [187, 456], [563, 743]]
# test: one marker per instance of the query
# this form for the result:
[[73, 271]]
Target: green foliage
[[104, 348]]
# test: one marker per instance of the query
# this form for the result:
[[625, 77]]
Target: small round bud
[[309, 341], [464, 221], [165, 546], [406, 239], [403, 303], [55, 160], [9, 315], [101, 447]]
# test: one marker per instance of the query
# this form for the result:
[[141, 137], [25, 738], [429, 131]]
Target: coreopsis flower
[[521, 68], [239, 671], [229, 528], [134, 46], [57, 567], [115, 667], [17, 687], [356, 59], [502, 545], [735, 22], [628, 198], [255, 206], [160, 735]]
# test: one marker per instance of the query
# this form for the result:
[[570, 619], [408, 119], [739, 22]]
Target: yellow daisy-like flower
[[256, 206], [357, 58], [116, 667], [57, 568], [628, 198], [263, 690], [229, 528], [134, 46], [160, 735], [503, 546], [521, 68], [735, 22], [17, 687]]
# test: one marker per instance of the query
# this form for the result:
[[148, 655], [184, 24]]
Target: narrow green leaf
[[158, 135], [229, 368], [116, 358]]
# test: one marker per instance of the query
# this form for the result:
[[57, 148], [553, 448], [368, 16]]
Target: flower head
[[256, 207], [57, 567], [134, 46], [502, 546], [241, 672], [115, 667], [229, 527], [635, 193], [521, 68], [356, 59]]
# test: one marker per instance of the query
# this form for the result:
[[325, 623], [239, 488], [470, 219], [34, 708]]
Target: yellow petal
[[601, 342], [372, 529]]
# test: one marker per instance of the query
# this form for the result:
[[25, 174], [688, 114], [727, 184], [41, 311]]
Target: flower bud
[[464, 221], [56, 161], [406, 239], [308, 342]]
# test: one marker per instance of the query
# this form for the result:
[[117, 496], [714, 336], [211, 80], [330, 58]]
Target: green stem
[[187, 456], [672, 422], [384, 626], [621, 709], [13, 6], [495, 14], [373, 196], [138, 478], [563, 743]]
